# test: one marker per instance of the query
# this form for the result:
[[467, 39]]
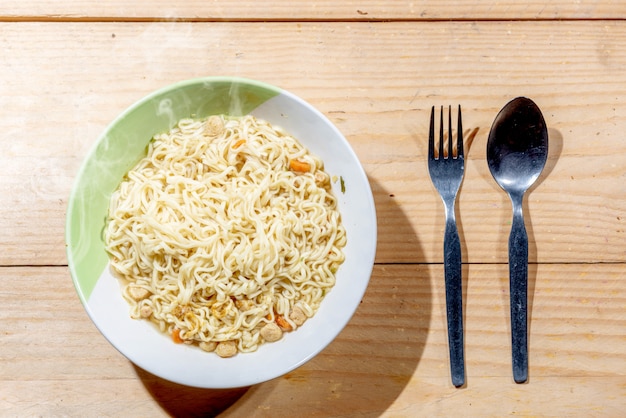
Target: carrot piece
[[239, 143], [299, 166], [282, 323], [176, 336]]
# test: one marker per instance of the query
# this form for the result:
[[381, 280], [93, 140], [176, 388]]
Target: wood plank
[[317, 395], [311, 10], [577, 326], [376, 82], [485, 397], [391, 359]]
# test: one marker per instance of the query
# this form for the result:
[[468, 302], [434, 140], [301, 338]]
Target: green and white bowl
[[119, 148]]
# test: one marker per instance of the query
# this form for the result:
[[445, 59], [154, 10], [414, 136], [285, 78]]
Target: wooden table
[[374, 67]]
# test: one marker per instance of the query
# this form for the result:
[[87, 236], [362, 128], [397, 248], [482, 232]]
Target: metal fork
[[446, 172]]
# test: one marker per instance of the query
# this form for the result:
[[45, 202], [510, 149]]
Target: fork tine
[[459, 141], [449, 131], [431, 135], [441, 134]]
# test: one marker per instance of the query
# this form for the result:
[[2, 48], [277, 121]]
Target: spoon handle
[[454, 300], [518, 282]]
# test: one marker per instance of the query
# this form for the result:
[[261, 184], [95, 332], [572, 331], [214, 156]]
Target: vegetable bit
[[239, 143], [176, 336], [299, 166]]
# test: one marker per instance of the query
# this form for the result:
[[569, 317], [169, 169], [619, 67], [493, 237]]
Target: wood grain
[[374, 68], [310, 10], [66, 81], [390, 359]]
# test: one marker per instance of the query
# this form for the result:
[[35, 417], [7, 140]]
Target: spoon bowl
[[517, 148], [517, 151]]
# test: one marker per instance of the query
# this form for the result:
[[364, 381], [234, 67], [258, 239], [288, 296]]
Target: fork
[[446, 173]]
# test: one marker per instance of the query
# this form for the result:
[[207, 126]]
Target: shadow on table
[[185, 401], [363, 371]]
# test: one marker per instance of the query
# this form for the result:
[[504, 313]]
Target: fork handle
[[518, 283], [454, 300]]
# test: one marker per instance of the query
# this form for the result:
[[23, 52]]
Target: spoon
[[517, 150]]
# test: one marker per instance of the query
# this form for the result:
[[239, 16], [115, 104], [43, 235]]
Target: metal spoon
[[517, 150]]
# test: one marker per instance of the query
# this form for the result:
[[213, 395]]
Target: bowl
[[119, 148]]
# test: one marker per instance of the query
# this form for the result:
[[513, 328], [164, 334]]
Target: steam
[[165, 108], [235, 105]]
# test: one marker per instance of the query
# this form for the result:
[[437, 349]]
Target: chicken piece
[[244, 304], [226, 349], [297, 316], [271, 332], [145, 311], [138, 293], [321, 179], [214, 126], [208, 346]]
